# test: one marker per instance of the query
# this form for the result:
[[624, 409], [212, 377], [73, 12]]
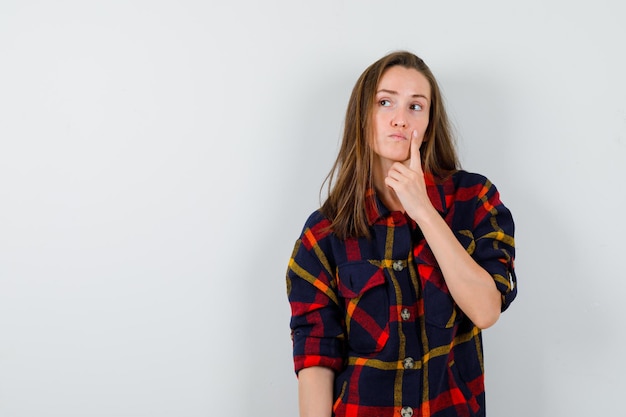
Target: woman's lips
[[397, 136]]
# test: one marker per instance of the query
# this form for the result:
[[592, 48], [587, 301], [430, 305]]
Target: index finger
[[416, 160]]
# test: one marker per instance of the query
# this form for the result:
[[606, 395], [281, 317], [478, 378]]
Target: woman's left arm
[[471, 286]]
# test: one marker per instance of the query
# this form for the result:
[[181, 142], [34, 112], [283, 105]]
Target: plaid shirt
[[378, 311]]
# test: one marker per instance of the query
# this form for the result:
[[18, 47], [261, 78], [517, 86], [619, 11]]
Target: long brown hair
[[351, 174]]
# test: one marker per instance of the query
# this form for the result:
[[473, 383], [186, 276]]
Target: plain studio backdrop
[[159, 158]]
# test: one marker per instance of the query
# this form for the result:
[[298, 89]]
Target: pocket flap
[[355, 278]]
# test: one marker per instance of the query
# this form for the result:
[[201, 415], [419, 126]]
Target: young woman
[[409, 257]]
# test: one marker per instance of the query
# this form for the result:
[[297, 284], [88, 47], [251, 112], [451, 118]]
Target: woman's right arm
[[317, 326], [315, 391]]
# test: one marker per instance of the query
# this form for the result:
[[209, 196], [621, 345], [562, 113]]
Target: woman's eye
[[384, 103], [416, 107]]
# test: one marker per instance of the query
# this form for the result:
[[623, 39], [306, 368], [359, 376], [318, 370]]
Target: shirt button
[[398, 266], [409, 363], [405, 314], [406, 412]]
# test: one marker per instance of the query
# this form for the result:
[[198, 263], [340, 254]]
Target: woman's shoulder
[[317, 224], [466, 186], [315, 218], [463, 177]]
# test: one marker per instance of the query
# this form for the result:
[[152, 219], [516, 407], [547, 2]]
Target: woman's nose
[[399, 118], [398, 121]]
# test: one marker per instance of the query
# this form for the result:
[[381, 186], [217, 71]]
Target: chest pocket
[[440, 310], [364, 288]]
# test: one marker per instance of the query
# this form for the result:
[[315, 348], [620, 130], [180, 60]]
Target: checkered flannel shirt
[[378, 312]]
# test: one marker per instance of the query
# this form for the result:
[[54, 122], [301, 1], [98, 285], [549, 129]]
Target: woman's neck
[[385, 193]]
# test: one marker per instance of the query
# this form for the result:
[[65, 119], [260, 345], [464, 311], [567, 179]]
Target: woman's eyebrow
[[384, 90]]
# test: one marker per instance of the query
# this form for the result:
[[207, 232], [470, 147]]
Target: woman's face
[[402, 105]]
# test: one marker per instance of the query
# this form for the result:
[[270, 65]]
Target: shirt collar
[[375, 208]]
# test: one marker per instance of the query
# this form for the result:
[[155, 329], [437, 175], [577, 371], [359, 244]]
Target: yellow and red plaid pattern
[[379, 313]]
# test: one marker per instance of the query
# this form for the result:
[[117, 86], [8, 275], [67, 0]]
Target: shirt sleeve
[[494, 242], [316, 320]]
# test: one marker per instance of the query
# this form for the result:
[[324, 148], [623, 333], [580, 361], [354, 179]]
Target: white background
[[158, 160]]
